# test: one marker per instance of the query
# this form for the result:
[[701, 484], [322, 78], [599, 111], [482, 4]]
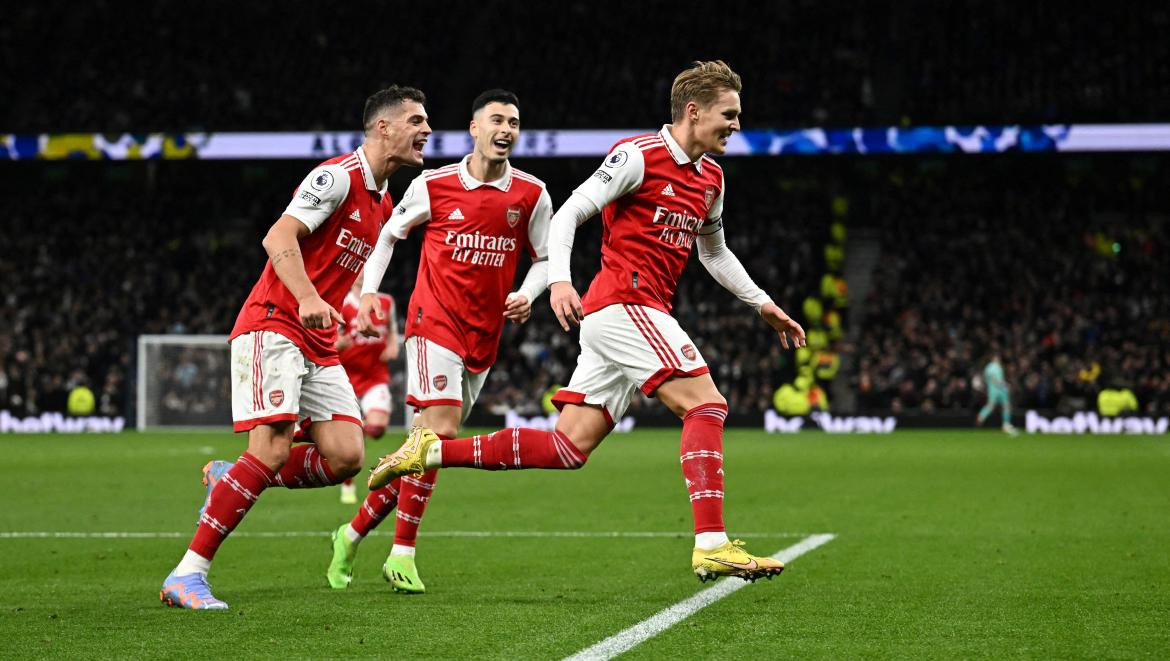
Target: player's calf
[[515, 448]]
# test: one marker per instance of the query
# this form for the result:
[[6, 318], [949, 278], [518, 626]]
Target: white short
[[623, 348], [272, 381], [377, 398], [436, 376]]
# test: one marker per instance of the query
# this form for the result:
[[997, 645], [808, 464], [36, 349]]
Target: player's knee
[[446, 430], [375, 431], [584, 442], [346, 463], [715, 398]]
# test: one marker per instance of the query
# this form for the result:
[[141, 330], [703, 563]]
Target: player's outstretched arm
[[727, 270], [284, 251]]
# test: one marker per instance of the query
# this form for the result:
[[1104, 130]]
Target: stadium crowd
[[174, 249], [1058, 262], [1059, 266], [220, 66]]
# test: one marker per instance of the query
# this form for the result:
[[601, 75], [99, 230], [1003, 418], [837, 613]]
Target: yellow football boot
[[410, 459], [732, 559]]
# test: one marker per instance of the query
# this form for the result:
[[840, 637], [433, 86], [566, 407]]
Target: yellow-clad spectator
[[789, 401], [826, 364], [813, 311], [80, 401], [1112, 402]]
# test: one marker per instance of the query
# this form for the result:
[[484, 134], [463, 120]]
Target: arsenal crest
[[688, 350], [514, 216], [709, 196], [276, 397], [440, 381]]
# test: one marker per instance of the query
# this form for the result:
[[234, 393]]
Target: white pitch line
[[61, 534], [626, 640]]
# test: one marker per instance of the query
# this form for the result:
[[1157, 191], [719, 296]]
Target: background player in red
[[658, 194], [365, 360], [479, 215], [284, 365]]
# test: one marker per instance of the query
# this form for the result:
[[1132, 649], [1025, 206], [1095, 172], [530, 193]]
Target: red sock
[[231, 498], [305, 469], [701, 455], [378, 504], [416, 493], [513, 449], [412, 502]]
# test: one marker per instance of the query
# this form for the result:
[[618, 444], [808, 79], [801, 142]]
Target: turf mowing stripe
[[626, 640], [30, 534]]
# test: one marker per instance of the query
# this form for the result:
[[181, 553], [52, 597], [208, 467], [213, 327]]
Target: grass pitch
[[949, 544]]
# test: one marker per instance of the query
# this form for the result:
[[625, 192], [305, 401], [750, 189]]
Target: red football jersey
[[362, 359], [471, 246], [654, 200], [344, 210]]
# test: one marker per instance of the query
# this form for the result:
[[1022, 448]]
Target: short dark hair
[[496, 95], [388, 98]]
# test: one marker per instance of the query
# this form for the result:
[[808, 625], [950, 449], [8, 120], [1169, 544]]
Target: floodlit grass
[[949, 544]]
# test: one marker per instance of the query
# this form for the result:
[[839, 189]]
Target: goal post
[[183, 382]]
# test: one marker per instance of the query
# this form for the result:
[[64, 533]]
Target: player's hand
[[370, 315], [791, 334], [566, 304], [517, 308], [316, 313]]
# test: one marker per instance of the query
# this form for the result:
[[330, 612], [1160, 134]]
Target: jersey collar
[[471, 183], [676, 150], [368, 174]]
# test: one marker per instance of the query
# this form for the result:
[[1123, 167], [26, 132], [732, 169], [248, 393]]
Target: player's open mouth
[[418, 144], [502, 144]]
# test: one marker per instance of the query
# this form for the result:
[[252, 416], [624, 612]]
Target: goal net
[[183, 381]]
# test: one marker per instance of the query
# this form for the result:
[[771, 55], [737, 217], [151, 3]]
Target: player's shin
[[701, 455], [512, 449], [230, 500], [416, 494], [412, 504], [378, 504]]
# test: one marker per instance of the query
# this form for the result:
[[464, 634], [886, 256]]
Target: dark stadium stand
[[1059, 263], [1014, 250], [1017, 251], [224, 66]]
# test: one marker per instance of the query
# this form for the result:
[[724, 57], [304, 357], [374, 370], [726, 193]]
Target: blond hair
[[701, 83]]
